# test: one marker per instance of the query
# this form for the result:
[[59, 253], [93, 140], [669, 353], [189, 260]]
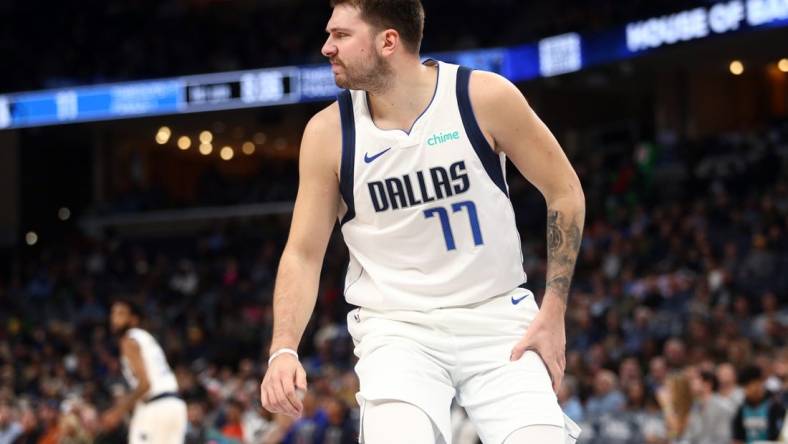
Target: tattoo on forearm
[[560, 283], [564, 235]]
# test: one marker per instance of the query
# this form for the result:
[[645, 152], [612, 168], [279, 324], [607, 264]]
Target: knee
[[391, 421], [543, 434]]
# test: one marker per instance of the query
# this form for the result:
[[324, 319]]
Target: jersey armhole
[[132, 334], [346, 167], [490, 160]]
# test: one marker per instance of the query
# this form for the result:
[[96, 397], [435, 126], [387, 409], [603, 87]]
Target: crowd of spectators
[[676, 324], [115, 40], [274, 181]]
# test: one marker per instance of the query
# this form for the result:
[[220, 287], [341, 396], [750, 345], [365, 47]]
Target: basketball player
[[159, 414], [410, 159]]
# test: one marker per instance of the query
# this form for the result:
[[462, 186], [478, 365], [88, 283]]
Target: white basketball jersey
[[426, 214], [160, 375]]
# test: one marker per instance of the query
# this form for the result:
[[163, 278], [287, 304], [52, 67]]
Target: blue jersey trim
[[490, 160], [347, 165]]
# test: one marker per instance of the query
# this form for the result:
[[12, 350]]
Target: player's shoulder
[[130, 340], [325, 122], [322, 140], [485, 87], [323, 129], [496, 101], [137, 334]]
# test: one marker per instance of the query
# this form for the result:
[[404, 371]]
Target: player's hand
[[547, 337], [284, 386], [111, 419]]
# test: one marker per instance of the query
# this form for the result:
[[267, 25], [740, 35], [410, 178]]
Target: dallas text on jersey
[[433, 184]]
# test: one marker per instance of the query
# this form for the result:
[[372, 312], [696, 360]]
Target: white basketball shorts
[[162, 421], [426, 358]]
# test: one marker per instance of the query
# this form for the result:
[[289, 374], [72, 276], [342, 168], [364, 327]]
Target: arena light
[[64, 214], [736, 67], [206, 149], [260, 138], [248, 148], [184, 142], [206, 137], [31, 238], [782, 65], [227, 153], [163, 135]]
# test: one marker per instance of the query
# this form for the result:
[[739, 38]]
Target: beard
[[372, 75], [120, 331]]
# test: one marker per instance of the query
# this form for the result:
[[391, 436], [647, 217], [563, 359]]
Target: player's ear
[[389, 41]]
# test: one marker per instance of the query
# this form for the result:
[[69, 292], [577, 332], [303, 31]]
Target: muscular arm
[[511, 126], [314, 215], [130, 350]]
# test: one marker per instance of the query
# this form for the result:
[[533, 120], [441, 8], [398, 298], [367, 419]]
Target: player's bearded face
[[119, 328], [368, 71]]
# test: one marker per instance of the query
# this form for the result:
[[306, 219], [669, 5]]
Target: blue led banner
[[551, 56]]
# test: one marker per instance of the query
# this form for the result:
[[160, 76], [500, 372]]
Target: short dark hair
[[405, 16], [235, 402], [133, 307], [749, 374], [710, 378]]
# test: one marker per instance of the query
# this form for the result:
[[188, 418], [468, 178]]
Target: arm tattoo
[[563, 243]]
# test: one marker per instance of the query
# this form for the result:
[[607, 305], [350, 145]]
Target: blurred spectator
[[607, 397], [10, 428], [624, 427], [675, 398], [652, 423], [233, 428], [675, 354], [72, 431], [760, 417], [569, 401], [341, 427], [709, 412], [198, 430], [729, 392], [312, 424], [49, 427], [658, 373]]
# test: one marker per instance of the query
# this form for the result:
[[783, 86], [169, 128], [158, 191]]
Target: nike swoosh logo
[[517, 301], [369, 159]]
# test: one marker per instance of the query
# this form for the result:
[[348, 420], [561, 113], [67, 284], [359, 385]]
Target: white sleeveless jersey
[[160, 375], [426, 214]]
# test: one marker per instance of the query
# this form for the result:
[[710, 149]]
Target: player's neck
[[407, 96]]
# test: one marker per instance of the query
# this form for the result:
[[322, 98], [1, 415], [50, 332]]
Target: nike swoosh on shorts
[[517, 301]]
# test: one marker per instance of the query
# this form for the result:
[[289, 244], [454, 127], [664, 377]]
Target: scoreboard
[[550, 56], [227, 90], [189, 94]]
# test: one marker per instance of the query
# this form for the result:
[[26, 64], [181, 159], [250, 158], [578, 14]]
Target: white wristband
[[282, 351]]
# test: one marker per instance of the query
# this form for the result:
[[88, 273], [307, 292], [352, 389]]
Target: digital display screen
[[550, 56]]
